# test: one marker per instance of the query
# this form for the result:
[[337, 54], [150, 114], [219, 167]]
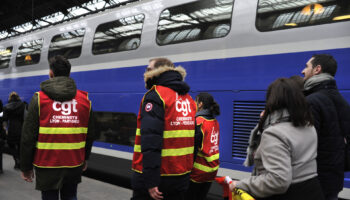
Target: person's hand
[[85, 165], [232, 185], [155, 193], [27, 176]]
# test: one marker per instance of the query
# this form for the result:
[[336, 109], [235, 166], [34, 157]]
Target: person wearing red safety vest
[[164, 143], [206, 162], [57, 134]]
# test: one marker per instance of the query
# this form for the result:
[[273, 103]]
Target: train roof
[[14, 14]]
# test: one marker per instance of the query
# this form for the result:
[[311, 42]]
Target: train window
[[67, 44], [198, 20], [5, 57], [276, 14], [116, 128], [29, 52], [120, 35]]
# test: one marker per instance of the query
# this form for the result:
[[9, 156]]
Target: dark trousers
[[197, 191], [144, 195], [1, 171], [2, 143], [67, 192], [309, 189], [14, 149]]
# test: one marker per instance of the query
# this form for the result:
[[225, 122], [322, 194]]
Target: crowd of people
[[298, 148]]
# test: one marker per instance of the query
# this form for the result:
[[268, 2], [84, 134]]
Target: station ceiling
[[17, 12]]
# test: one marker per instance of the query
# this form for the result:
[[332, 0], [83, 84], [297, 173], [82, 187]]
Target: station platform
[[12, 187]]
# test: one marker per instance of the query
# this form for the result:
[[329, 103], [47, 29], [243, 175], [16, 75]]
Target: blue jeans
[[67, 192]]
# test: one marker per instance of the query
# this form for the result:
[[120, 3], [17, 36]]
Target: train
[[232, 49]]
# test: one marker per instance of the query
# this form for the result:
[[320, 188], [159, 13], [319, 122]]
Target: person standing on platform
[[207, 137], [57, 134], [331, 114], [285, 160], [164, 143], [13, 121], [2, 137]]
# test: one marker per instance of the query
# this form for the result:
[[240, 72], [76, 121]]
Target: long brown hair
[[285, 93]]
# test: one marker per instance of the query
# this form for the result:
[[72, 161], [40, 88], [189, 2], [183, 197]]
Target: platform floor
[[12, 187]]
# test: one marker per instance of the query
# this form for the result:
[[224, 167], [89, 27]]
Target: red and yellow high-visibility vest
[[207, 162], [178, 135], [63, 129]]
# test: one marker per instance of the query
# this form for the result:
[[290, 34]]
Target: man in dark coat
[[13, 121], [155, 176], [331, 114], [65, 112]]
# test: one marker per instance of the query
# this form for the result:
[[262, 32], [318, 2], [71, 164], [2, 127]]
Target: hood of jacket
[[172, 78], [14, 106], [59, 88]]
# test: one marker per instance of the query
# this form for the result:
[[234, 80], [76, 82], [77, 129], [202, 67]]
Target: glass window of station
[[194, 21], [5, 57], [277, 15], [116, 128], [120, 35], [67, 44], [29, 52]]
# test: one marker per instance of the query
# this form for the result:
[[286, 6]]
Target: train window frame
[[30, 55], [4, 51], [124, 137], [123, 50], [81, 42], [196, 40], [308, 11]]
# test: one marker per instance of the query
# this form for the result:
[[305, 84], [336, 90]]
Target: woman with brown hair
[[206, 151], [285, 160]]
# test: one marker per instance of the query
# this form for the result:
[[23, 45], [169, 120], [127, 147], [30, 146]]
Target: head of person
[[320, 63], [298, 80], [155, 63], [285, 94], [59, 66], [206, 101], [14, 97]]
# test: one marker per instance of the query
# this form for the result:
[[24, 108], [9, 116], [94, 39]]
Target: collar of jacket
[[160, 70], [316, 80], [167, 77], [59, 88], [328, 84], [205, 113], [276, 117]]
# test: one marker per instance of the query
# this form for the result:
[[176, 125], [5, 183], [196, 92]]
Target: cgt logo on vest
[[66, 107], [214, 137], [183, 106]]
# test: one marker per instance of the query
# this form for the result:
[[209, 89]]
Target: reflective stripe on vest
[[63, 128], [178, 137], [207, 161]]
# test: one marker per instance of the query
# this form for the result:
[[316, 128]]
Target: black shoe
[[1, 171]]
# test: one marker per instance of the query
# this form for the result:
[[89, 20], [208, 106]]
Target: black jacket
[[331, 114], [14, 116], [152, 127]]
